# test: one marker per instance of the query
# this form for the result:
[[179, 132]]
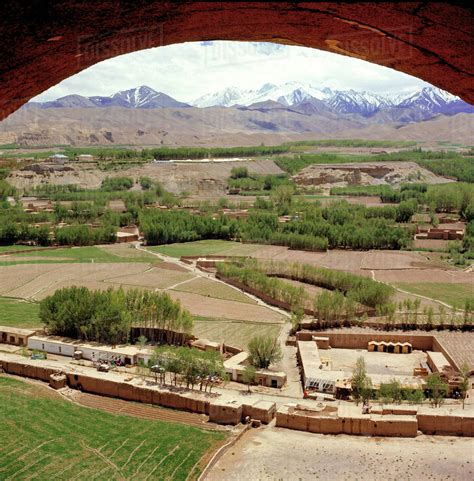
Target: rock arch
[[45, 41]]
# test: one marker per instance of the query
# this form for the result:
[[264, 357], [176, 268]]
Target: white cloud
[[187, 71]]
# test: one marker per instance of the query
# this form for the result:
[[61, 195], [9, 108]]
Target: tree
[[264, 350], [141, 341], [464, 374], [282, 195], [360, 382], [437, 389], [416, 396], [146, 183], [248, 376], [239, 173], [429, 318], [391, 391], [297, 314], [406, 209]]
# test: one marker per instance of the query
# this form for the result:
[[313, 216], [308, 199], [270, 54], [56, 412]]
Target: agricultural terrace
[[206, 248], [50, 443], [221, 312], [114, 253], [453, 294], [234, 333]]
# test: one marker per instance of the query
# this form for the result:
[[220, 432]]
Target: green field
[[233, 333], [217, 290], [205, 247], [78, 254], [47, 438], [18, 248], [18, 313], [452, 294]]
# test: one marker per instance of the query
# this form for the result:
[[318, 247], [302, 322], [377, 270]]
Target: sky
[[189, 70]]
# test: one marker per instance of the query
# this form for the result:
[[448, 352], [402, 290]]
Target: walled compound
[[327, 360]]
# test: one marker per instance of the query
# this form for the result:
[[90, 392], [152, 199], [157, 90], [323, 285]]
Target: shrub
[[110, 184]]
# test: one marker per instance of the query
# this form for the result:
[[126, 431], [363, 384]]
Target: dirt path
[[174, 286], [199, 273]]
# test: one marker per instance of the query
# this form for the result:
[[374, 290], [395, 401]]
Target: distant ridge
[[142, 97], [414, 106]]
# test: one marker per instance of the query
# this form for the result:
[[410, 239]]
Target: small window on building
[[43, 346], [60, 349]]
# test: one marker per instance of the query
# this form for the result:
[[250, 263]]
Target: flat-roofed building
[[126, 237], [64, 346], [438, 362], [15, 336], [314, 376], [235, 367]]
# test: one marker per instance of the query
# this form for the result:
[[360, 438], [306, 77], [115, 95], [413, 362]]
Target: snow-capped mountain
[[435, 101], [428, 98], [427, 101], [363, 103], [289, 93], [137, 98], [305, 98]]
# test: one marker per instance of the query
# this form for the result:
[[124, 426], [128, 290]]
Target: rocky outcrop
[[45, 43], [389, 173]]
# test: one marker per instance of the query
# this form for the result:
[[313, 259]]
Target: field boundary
[[220, 452]]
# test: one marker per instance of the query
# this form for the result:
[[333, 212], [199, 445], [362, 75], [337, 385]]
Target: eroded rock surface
[[44, 43]]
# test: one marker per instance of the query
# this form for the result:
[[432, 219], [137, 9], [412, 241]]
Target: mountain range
[[271, 114], [404, 108]]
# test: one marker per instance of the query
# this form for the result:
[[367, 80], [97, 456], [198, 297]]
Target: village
[[316, 394], [236, 241]]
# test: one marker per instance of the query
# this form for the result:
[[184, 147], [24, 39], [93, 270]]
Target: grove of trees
[[166, 227], [111, 184], [107, 316]]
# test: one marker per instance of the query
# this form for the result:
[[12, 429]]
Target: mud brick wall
[[405, 426], [129, 392], [346, 340], [260, 413], [27, 370], [225, 413], [438, 347], [446, 425]]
